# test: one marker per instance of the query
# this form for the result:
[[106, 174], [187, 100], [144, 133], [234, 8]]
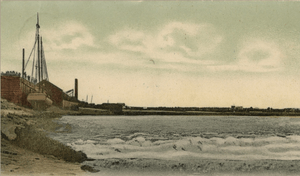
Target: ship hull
[[39, 101]]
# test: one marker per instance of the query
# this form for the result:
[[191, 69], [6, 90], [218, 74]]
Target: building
[[35, 91], [116, 108], [57, 95], [16, 89]]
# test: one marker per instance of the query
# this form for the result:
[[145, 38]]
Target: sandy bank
[[26, 149], [18, 161]]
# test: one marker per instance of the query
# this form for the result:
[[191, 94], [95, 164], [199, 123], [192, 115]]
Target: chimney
[[76, 88]]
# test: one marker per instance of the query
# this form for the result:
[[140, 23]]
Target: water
[[173, 137]]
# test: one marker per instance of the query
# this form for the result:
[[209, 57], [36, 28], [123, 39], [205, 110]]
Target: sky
[[175, 54]]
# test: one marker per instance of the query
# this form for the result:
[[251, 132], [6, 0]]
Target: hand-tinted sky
[[163, 53]]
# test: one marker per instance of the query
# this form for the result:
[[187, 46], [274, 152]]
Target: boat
[[39, 99]]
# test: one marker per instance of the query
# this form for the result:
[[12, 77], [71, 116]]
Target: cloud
[[69, 35], [256, 55], [194, 40], [178, 46], [128, 40], [262, 55], [173, 43]]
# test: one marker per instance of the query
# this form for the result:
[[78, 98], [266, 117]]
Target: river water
[[170, 137]]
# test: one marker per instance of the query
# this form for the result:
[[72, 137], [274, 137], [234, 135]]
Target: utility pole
[[23, 60], [41, 59]]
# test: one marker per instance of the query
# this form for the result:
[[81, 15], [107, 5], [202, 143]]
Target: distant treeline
[[214, 109], [122, 109]]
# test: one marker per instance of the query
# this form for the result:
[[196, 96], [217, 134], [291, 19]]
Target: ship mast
[[38, 49], [39, 67], [44, 65]]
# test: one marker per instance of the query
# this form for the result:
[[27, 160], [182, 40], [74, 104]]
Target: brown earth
[[25, 149], [19, 161]]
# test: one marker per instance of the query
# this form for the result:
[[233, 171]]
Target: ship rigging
[[39, 67]]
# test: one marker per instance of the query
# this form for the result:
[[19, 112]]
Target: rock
[[174, 147], [89, 169], [78, 157], [91, 159], [117, 150], [8, 131], [280, 135], [32, 139], [157, 139]]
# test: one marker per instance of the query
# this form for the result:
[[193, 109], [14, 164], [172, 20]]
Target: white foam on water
[[293, 138], [115, 141], [215, 148], [296, 123], [119, 136]]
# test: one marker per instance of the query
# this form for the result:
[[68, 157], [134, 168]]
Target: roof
[[45, 81]]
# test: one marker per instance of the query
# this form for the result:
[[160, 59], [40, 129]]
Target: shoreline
[[186, 166], [127, 112], [20, 161], [31, 152], [26, 149]]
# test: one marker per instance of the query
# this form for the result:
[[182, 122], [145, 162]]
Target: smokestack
[[23, 60], [76, 88]]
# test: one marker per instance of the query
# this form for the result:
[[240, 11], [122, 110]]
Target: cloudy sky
[[163, 53]]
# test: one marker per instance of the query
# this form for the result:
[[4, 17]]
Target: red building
[[57, 95], [53, 92], [15, 89]]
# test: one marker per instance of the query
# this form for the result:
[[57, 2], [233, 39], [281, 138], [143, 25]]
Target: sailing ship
[[35, 90], [39, 73]]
